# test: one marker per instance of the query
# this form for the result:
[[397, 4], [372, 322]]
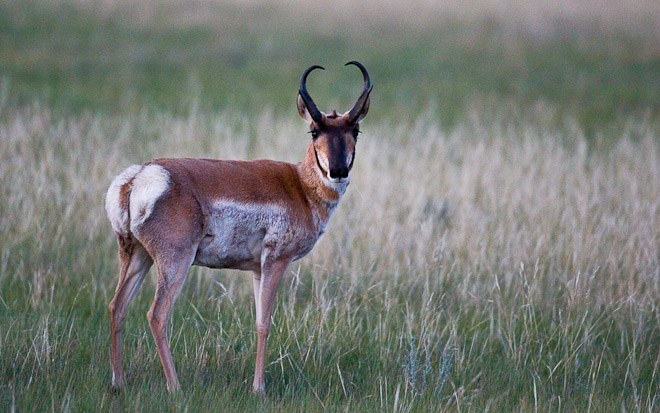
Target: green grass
[[248, 58], [497, 248]]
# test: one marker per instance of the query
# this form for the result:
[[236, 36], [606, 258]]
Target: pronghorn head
[[334, 135]]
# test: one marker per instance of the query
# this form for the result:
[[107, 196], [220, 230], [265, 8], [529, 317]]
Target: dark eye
[[315, 133], [356, 131]]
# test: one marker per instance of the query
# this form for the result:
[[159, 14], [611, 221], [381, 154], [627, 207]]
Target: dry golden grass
[[503, 244]]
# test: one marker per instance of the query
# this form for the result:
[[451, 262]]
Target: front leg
[[272, 271], [256, 284]]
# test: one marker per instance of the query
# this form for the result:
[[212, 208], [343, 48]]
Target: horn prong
[[354, 113]]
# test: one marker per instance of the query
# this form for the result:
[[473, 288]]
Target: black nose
[[338, 173]]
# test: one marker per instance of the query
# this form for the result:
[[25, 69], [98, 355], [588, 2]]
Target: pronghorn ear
[[302, 109]]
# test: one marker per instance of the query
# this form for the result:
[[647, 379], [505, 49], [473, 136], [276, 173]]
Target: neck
[[323, 194]]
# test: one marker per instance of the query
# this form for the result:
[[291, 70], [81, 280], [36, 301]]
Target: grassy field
[[498, 248]]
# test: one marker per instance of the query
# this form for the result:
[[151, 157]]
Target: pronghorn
[[248, 215]]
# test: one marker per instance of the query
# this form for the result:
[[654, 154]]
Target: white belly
[[236, 234]]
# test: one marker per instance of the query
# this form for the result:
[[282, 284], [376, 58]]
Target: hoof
[[174, 388], [259, 391], [117, 384]]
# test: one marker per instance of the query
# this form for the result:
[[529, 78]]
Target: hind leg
[[135, 263], [172, 272]]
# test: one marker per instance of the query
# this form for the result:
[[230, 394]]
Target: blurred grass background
[[594, 61]]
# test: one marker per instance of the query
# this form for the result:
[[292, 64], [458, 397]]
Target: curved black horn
[[354, 113], [311, 107]]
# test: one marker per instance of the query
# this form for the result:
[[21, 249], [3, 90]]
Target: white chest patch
[[148, 185]]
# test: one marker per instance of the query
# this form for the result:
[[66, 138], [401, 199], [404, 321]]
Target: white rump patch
[[148, 185], [119, 217]]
